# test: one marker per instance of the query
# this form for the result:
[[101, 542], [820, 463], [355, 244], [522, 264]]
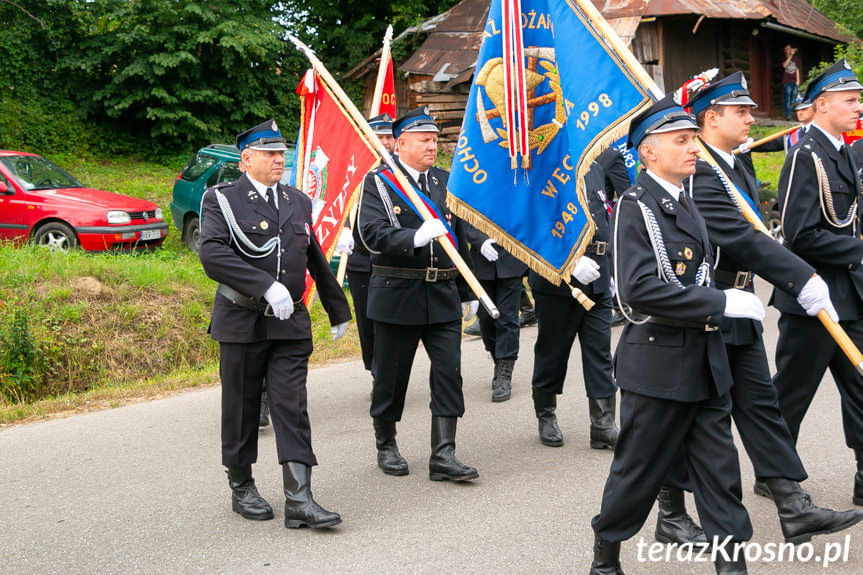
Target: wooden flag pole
[[836, 331], [757, 143], [372, 139]]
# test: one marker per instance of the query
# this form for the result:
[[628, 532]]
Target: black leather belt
[[680, 323], [739, 280], [428, 274], [247, 302], [597, 248]]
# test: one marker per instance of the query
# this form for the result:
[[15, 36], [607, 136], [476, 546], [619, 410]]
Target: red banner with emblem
[[852, 136], [388, 95], [332, 160]]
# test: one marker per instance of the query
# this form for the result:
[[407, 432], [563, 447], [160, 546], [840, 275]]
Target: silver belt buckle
[[741, 281], [708, 327], [601, 248], [431, 274]]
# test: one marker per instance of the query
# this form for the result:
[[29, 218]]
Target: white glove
[[744, 147], [345, 245], [279, 298], [586, 270], [339, 330], [487, 250], [815, 296], [469, 309], [612, 287], [739, 303], [430, 230]]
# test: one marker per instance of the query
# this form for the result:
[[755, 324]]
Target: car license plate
[[150, 235]]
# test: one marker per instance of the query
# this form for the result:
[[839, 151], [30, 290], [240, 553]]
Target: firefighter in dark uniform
[[257, 242], [723, 112], [671, 365], [561, 318], [500, 274], [416, 294], [820, 201], [359, 270]]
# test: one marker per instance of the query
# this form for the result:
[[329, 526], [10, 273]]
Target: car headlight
[[159, 214], [118, 217]]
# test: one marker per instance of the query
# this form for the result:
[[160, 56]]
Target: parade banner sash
[[390, 180], [332, 159], [580, 97]]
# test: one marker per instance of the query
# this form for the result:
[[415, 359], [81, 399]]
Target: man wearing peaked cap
[[723, 112], [416, 294], [256, 241], [670, 363], [820, 200], [382, 126]]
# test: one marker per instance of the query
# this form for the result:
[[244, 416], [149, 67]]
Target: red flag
[[388, 96], [852, 136], [332, 160]]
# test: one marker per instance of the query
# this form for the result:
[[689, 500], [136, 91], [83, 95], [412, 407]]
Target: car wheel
[[56, 236], [192, 233], [774, 225]]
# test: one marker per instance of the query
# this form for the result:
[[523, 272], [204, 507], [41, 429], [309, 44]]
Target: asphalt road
[[139, 489]]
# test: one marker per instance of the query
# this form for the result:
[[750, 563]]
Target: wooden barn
[[673, 39]]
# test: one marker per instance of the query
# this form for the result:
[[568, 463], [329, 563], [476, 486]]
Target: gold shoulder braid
[[827, 207]]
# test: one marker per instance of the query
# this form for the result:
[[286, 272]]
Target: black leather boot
[[603, 431], [443, 464], [673, 523], [300, 507], [389, 458], [760, 488], [264, 421], [502, 383], [800, 520], [857, 498], [245, 499], [545, 404], [527, 315], [606, 557], [730, 566]]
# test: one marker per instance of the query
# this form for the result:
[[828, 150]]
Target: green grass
[[80, 329]]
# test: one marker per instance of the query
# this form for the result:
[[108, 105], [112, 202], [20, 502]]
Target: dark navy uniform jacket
[[738, 246], [409, 301], [594, 189], [224, 263], [834, 252], [679, 363], [506, 265]]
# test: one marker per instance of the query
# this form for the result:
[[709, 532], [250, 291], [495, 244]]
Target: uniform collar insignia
[[434, 180], [667, 204], [253, 196], [285, 195]]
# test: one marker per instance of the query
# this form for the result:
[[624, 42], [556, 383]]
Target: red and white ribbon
[[515, 83]]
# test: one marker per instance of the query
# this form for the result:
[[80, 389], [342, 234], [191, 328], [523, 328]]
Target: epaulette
[[219, 185]]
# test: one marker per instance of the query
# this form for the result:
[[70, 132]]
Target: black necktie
[[423, 184], [681, 199], [271, 199]]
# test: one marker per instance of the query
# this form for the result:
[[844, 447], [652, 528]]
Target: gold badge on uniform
[[264, 225], [397, 210], [680, 269], [687, 253]]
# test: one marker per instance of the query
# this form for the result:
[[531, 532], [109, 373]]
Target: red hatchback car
[[39, 201]]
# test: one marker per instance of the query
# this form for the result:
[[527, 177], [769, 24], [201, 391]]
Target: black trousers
[[242, 367], [358, 282], [652, 432], [395, 348], [803, 353], [500, 335], [560, 319]]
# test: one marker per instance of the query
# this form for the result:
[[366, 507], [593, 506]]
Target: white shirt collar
[[837, 142], [262, 189], [729, 158], [672, 189], [413, 173]]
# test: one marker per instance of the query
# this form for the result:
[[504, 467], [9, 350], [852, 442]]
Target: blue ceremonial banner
[[580, 98]]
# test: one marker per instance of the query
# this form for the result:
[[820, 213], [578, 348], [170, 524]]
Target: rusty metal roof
[[797, 14]]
